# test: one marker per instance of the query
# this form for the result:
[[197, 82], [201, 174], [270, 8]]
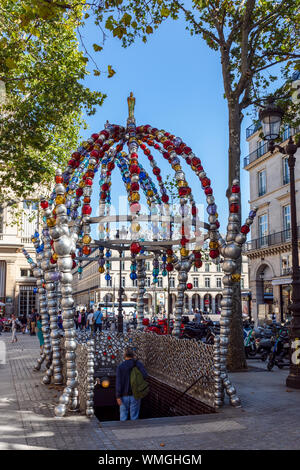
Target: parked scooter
[[280, 353]]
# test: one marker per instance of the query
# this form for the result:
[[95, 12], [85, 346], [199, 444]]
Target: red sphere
[[169, 267], [235, 189], [44, 204], [189, 285], [205, 182], [245, 229], [214, 253], [234, 208], [135, 248], [165, 198], [86, 209], [79, 192], [208, 191]]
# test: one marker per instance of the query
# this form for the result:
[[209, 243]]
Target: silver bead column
[[64, 245], [90, 379], [219, 393]]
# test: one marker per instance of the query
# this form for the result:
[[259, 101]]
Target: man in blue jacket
[[125, 399]]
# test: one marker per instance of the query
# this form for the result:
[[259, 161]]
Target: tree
[[251, 36], [43, 95]]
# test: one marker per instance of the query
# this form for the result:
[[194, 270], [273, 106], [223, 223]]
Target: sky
[[177, 82]]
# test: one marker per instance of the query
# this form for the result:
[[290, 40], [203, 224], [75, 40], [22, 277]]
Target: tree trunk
[[236, 359]]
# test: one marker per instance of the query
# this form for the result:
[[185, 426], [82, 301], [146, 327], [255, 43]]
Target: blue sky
[[177, 82]]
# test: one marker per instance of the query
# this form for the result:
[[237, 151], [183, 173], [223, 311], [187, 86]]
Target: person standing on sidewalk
[[98, 315], [125, 399], [40, 332], [13, 321]]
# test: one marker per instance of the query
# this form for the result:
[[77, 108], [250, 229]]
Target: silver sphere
[[60, 410]]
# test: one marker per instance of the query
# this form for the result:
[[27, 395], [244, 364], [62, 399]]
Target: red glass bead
[[183, 192], [86, 250], [143, 146], [156, 170], [189, 285], [197, 254], [169, 252], [59, 179], [245, 229], [159, 178], [88, 182], [194, 210], [94, 136], [74, 265], [205, 182], [208, 190], [187, 150], [76, 155], [188, 160], [134, 169], [73, 255], [44, 204], [103, 196], [94, 154], [105, 147], [156, 146], [214, 253], [105, 187], [79, 192], [110, 166], [217, 224], [183, 241], [235, 189], [72, 163], [135, 248], [196, 161], [198, 263], [166, 155], [86, 209], [134, 155], [234, 208], [135, 186], [165, 198], [169, 267], [178, 150], [52, 261], [105, 133]]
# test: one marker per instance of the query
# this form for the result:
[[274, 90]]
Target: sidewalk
[[269, 417]]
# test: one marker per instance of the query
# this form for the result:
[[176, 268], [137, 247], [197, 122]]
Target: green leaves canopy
[[42, 71]]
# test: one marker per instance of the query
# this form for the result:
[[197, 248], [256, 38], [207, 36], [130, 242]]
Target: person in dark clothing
[[125, 399]]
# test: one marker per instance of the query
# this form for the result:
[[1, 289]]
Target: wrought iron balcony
[[263, 149], [277, 238], [252, 129]]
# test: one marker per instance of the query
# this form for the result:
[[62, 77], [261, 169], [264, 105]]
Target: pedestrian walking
[[40, 332], [128, 397], [90, 320], [24, 323], [76, 319], [97, 317], [13, 322], [32, 322]]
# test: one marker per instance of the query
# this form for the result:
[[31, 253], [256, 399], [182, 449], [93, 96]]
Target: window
[[207, 267], [207, 281], [219, 282], [172, 281], [195, 269], [262, 183], [1, 219], [25, 273], [148, 265], [123, 281], [123, 265], [109, 282], [242, 283], [160, 282], [196, 281], [285, 171], [287, 222], [134, 282], [148, 281], [219, 268], [263, 229]]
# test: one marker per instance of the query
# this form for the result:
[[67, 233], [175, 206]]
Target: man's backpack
[[139, 386]]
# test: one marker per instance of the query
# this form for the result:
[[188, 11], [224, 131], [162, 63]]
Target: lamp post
[[270, 118]]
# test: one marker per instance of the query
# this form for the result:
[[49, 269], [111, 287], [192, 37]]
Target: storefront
[[285, 296]]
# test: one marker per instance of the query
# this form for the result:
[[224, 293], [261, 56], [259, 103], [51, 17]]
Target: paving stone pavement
[[269, 417]]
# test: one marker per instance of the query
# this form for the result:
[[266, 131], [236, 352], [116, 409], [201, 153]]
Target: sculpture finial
[[131, 105]]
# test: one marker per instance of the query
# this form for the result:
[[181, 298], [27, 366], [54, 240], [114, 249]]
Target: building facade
[[269, 251], [17, 284], [206, 293]]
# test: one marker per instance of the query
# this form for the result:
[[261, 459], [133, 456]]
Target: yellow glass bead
[[149, 202], [55, 256], [216, 215], [135, 197], [91, 167], [81, 184], [97, 147], [60, 199], [213, 245], [182, 184], [163, 139], [85, 145], [128, 186], [193, 168], [124, 154], [135, 227], [236, 277], [86, 239], [170, 259], [149, 193], [33, 240], [51, 222], [176, 167], [184, 252], [101, 269]]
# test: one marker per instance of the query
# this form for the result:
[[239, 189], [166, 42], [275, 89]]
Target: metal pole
[[293, 379], [169, 305]]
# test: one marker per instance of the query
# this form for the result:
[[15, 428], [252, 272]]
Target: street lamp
[[270, 118], [120, 234]]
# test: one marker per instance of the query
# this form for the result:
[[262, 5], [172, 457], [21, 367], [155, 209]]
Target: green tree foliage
[[43, 95]]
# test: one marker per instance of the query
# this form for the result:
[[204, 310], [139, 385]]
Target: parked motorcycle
[[280, 353]]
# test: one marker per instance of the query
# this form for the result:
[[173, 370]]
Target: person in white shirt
[[89, 320]]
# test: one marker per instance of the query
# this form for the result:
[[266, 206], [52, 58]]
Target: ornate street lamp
[[270, 118]]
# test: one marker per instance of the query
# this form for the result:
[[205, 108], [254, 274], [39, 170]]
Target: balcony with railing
[[252, 129], [263, 149], [278, 238]]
